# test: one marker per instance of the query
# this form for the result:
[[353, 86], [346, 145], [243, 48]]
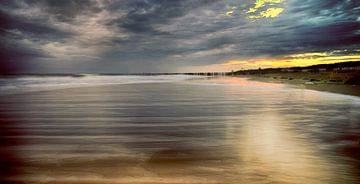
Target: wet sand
[[225, 130]]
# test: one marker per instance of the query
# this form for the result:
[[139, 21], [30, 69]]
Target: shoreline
[[335, 87], [149, 129]]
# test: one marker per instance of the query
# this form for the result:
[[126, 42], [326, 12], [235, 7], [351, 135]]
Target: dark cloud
[[16, 30], [162, 35], [320, 25], [143, 16], [13, 56], [305, 26], [65, 10], [34, 28]]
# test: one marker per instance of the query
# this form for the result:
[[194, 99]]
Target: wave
[[23, 84]]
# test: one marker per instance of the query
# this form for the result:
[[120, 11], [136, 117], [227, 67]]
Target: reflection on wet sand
[[273, 150], [227, 130]]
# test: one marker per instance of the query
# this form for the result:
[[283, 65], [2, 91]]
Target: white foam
[[23, 84]]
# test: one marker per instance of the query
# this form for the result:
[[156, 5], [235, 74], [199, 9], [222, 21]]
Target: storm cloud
[[125, 36]]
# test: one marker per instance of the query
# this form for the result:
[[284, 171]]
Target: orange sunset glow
[[293, 60]]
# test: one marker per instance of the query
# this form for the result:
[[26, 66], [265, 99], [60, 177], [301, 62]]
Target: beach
[[326, 81], [190, 130]]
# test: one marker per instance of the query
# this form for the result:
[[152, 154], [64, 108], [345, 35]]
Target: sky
[[133, 36]]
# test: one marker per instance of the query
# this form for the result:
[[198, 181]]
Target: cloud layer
[[91, 36]]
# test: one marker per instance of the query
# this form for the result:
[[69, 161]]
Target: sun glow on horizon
[[293, 60]]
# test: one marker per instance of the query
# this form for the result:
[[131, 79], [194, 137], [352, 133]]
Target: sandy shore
[[228, 130], [319, 85]]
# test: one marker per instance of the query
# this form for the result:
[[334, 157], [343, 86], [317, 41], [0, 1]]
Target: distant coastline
[[343, 78]]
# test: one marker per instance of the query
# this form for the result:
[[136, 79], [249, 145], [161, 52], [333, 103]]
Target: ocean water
[[180, 130], [23, 84]]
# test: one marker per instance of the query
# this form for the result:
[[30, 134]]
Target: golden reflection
[[268, 146]]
